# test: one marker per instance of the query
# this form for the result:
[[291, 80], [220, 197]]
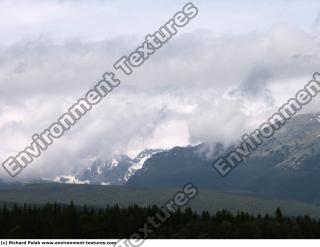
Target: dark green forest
[[68, 221]]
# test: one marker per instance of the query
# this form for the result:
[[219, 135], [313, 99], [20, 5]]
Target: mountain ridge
[[284, 166]]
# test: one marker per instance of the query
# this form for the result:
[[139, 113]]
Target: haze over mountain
[[285, 166]]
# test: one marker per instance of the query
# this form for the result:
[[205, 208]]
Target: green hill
[[100, 196]]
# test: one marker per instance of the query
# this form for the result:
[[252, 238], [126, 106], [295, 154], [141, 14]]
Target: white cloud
[[199, 87]]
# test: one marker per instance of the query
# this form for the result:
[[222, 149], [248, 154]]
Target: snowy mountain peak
[[143, 156], [117, 171], [69, 180]]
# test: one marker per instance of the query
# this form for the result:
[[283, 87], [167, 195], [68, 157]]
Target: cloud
[[256, 81], [200, 87]]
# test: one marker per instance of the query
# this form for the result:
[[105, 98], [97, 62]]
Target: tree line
[[69, 221]]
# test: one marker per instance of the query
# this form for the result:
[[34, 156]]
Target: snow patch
[[114, 163], [69, 180], [104, 183]]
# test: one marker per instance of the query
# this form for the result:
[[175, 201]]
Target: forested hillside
[[58, 221]]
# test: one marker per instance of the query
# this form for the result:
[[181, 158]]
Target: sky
[[223, 74]]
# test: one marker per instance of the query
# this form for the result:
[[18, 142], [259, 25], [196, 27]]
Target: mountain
[[285, 166], [114, 172], [101, 196]]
